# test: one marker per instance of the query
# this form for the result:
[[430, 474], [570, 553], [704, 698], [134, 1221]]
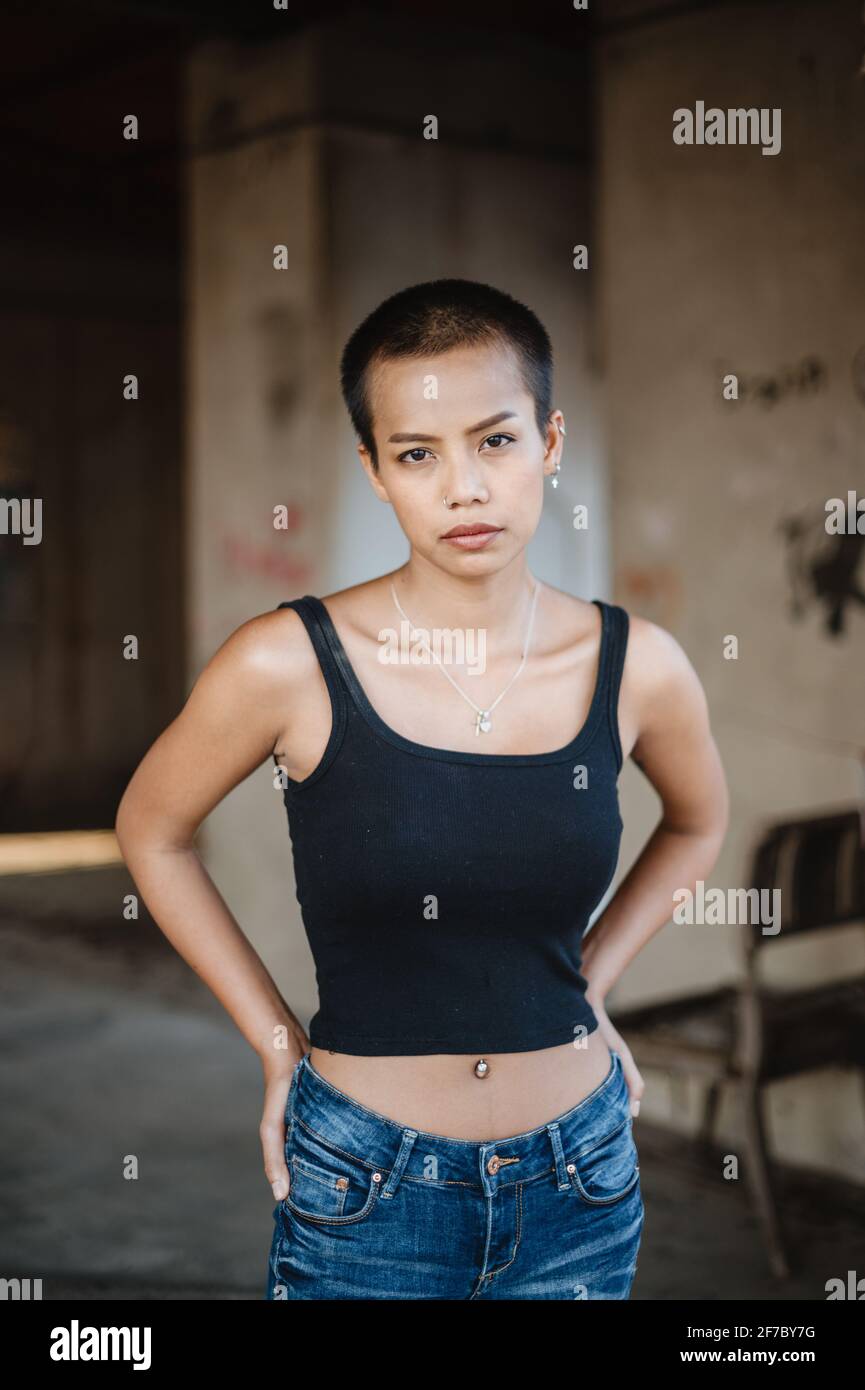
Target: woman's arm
[[230, 724], [662, 698]]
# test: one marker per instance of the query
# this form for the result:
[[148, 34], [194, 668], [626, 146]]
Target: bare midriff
[[442, 1094]]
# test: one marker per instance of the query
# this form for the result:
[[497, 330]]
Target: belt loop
[[405, 1148], [558, 1153]]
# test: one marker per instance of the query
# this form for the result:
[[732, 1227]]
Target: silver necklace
[[483, 722]]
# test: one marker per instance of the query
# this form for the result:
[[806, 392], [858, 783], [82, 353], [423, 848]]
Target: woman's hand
[[615, 1041], [277, 1083]]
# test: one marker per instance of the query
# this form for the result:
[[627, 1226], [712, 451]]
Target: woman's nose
[[466, 485]]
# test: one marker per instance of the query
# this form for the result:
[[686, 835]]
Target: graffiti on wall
[[242, 556], [804, 378], [823, 569]]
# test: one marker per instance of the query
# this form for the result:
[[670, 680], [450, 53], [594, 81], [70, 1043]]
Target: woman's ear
[[372, 473], [554, 441]]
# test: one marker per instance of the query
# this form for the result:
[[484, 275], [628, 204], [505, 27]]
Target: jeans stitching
[[493, 1272]]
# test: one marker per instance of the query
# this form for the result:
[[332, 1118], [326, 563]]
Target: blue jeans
[[378, 1210]]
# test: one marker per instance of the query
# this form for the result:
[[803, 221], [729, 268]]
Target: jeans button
[[494, 1164]]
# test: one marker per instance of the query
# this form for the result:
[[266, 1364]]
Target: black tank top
[[445, 894]]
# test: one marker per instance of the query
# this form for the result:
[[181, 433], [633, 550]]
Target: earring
[[554, 479]]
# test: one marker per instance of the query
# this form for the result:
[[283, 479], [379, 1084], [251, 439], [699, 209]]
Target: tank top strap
[[616, 628], [310, 610]]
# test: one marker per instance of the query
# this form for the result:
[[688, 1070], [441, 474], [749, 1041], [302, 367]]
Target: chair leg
[[758, 1172], [706, 1131]]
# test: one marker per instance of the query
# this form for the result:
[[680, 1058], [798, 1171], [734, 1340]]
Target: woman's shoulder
[[654, 658], [276, 644], [266, 650], [658, 680], [659, 688]]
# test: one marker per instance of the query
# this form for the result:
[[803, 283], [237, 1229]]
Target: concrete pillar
[[720, 259]]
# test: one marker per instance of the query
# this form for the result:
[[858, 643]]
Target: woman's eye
[[418, 455]]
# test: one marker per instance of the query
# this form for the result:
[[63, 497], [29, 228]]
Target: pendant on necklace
[[482, 1068], [483, 723]]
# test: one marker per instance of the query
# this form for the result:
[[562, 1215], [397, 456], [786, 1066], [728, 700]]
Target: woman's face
[[460, 425]]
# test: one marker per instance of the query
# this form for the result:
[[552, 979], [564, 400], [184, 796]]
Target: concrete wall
[[719, 259], [290, 148]]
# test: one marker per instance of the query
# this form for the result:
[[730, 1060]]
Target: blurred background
[[163, 387]]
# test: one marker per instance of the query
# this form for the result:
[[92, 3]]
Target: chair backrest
[[818, 864]]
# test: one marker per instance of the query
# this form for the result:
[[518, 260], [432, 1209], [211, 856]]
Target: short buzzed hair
[[433, 317]]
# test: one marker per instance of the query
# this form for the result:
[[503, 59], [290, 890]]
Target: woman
[[458, 1124]]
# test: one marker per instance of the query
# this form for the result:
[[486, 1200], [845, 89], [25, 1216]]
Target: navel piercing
[[481, 1068]]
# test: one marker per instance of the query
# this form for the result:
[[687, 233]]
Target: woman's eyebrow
[[472, 429]]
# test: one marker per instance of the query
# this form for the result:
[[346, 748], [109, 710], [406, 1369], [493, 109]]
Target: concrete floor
[[112, 1047]]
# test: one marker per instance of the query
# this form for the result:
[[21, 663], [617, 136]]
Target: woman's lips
[[475, 540]]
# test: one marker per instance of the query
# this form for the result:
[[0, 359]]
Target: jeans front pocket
[[608, 1170], [327, 1184]]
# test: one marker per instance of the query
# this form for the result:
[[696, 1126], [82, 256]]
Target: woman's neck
[[499, 603]]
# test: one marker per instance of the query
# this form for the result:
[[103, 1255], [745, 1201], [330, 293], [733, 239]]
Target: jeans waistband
[[399, 1151]]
